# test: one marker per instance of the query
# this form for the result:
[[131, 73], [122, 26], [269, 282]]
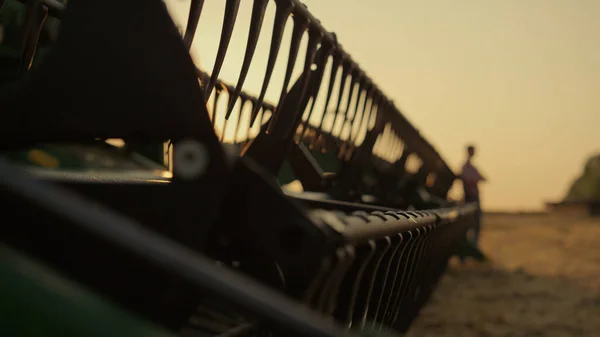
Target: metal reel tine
[[36, 15]]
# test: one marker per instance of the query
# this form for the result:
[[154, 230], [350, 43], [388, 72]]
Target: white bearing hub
[[190, 159]]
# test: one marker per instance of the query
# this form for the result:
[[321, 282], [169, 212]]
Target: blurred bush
[[587, 186]]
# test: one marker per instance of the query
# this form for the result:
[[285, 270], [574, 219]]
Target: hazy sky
[[519, 78]]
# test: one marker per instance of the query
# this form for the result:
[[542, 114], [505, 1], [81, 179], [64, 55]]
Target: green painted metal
[[36, 301], [82, 157], [58, 156], [327, 161], [154, 152], [286, 174]]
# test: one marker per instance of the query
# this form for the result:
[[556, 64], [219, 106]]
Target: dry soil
[[544, 280]]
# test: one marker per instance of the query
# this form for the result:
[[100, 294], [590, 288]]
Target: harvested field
[[544, 280]]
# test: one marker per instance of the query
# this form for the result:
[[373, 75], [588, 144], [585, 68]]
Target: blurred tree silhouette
[[587, 186]]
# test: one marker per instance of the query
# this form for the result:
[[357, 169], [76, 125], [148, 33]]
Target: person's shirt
[[470, 177]]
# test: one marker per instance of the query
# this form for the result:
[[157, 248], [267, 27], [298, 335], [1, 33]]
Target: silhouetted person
[[471, 178]]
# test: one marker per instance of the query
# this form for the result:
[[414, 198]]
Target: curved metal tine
[[346, 69], [361, 84], [423, 259], [36, 16], [405, 265], [345, 305], [382, 278], [375, 102], [239, 119], [387, 282], [261, 113], [314, 38], [354, 278], [326, 279], [192, 22], [412, 264], [231, 11], [409, 291], [291, 120], [355, 77], [368, 93], [265, 118], [344, 256], [332, 302], [218, 89], [337, 60], [321, 60], [225, 121], [252, 101], [431, 256], [252, 133], [411, 273], [352, 74], [382, 272], [363, 292], [386, 244], [300, 26], [222, 138], [258, 14], [260, 117], [282, 12], [246, 114], [310, 296], [341, 142], [395, 284]]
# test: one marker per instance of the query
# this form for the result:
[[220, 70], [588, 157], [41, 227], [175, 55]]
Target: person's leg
[[468, 235], [477, 226], [473, 232]]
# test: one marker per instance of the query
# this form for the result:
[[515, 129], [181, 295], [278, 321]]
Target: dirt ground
[[544, 280]]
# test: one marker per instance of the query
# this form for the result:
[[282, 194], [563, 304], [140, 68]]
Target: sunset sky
[[518, 78]]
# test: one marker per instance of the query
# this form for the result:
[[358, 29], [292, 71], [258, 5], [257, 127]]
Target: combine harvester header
[[202, 243]]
